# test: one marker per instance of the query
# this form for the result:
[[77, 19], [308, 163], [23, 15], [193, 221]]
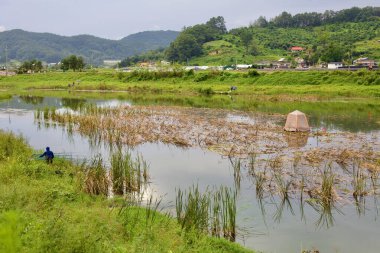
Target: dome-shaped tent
[[296, 121]]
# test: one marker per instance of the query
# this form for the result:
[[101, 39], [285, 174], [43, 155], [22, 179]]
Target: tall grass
[[11, 145], [128, 175], [94, 177], [211, 212]]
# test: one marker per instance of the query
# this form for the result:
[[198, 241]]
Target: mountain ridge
[[49, 47]]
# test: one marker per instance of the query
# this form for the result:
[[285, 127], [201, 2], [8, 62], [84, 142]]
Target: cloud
[[2, 28]]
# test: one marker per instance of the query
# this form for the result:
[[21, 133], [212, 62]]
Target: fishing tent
[[296, 122]]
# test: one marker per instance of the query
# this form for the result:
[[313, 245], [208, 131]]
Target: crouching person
[[49, 155]]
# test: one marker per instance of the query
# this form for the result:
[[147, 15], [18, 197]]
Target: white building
[[334, 65]]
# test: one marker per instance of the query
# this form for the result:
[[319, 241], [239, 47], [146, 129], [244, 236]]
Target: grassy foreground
[[43, 209], [361, 83]]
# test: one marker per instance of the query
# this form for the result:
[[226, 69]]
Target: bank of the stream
[[318, 84], [43, 208]]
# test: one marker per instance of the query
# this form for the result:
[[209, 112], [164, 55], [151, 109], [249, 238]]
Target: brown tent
[[296, 122]]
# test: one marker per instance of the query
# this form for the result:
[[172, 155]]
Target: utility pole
[[6, 60]]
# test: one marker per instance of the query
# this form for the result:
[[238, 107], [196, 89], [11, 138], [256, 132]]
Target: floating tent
[[296, 122]]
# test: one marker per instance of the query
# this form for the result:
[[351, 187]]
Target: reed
[[284, 188], [127, 174], [358, 182], [94, 179], [211, 212], [324, 201]]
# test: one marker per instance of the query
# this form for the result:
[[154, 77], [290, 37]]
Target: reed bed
[[210, 212], [280, 164], [128, 174], [94, 177]]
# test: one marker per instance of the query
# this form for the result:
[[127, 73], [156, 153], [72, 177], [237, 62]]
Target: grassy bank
[[43, 208], [317, 83]]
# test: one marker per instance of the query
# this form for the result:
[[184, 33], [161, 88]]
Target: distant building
[[147, 64], [301, 63], [334, 65], [365, 62], [297, 49], [165, 63], [10, 73], [111, 62], [281, 64], [243, 66]]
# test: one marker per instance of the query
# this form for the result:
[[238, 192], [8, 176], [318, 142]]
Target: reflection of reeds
[[324, 201], [359, 188], [358, 182], [212, 212], [236, 165], [283, 188]]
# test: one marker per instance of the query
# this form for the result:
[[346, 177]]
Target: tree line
[[308, 19], [72, 62], [189, 42]]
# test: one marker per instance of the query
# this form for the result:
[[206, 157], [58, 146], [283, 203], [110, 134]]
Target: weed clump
[[94, 179], [211, 212]]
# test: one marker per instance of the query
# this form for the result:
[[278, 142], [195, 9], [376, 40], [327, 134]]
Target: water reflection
[[73, 103], [260, 207], [296, 139], [34, 100]]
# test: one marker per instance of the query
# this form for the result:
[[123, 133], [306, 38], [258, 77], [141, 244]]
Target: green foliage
[[10, 230], [206, 91], [183, 48], [211, 212], [156, 75], [72, 62], [253, 73], [30, 66], [333, 42], [155, 55], [189, 43], [309, 19]]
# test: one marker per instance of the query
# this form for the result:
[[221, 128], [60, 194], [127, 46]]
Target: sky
[[115, 19]]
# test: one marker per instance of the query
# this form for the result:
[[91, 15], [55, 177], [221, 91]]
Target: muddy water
[[261, 227]]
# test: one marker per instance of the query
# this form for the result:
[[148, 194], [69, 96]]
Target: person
[[49, 155]]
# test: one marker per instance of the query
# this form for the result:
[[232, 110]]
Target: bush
[[206, 91], [253, 73]]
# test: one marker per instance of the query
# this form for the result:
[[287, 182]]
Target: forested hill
[[320, 37], [23, 45]]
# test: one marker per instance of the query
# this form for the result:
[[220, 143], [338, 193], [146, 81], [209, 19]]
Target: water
[[172, 167]]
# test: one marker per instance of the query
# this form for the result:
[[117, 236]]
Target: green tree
[[246, 38], [189, 43], [218, 25], [183, 48], [72, 62], [30, 66], [253, 48]]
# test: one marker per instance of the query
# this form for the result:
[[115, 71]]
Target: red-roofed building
[[297, 49]]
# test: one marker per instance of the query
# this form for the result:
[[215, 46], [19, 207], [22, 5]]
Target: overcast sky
[[114, 19]]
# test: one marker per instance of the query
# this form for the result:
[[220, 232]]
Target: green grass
[[316, 83], [369, 48], [44, 209]]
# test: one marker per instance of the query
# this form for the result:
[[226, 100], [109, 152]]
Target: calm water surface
[[172, 167]]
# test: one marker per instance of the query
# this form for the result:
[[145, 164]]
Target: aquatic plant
[[212, 212], [94, 177], [128, 175]]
